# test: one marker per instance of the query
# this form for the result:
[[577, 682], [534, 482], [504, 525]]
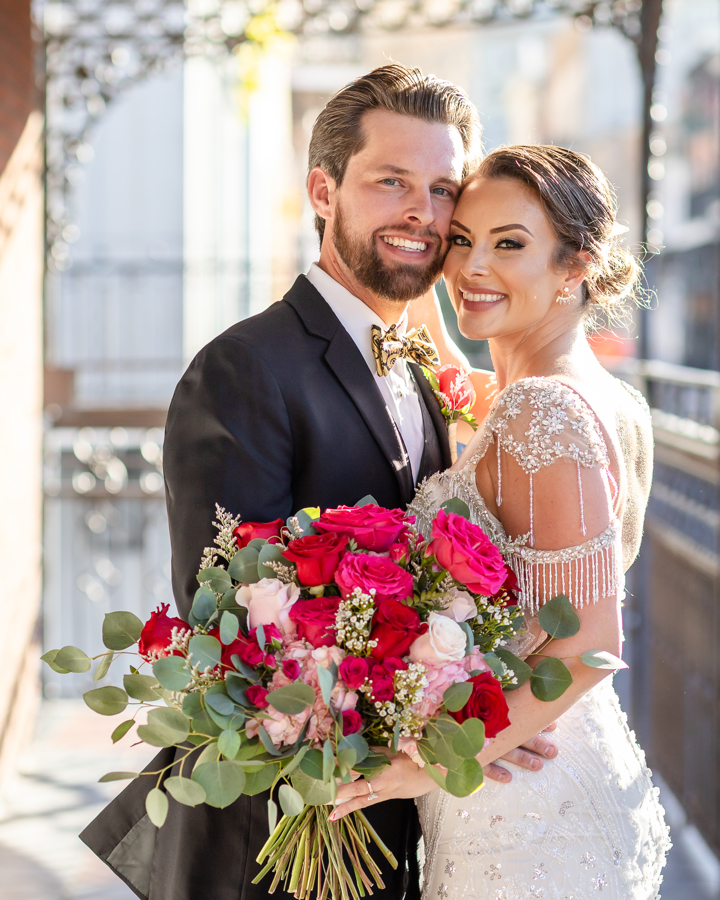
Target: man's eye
[[442, 192], [390, 181], [509, 244], [459, 240]]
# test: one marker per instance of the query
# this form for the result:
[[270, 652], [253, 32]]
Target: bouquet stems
[[452, 438], [311, 855]]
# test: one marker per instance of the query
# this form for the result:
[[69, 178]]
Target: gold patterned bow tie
[[389, 347]]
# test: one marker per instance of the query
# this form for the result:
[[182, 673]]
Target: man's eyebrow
[[458, 225], [510, 228]]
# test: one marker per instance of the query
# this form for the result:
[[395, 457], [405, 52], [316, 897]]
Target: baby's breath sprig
[[352, 622]]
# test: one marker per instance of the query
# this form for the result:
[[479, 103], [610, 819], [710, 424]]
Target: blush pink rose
[[371, 527], [360, 570], [443, 642], [467, 553], [461, 606], [268, 602]]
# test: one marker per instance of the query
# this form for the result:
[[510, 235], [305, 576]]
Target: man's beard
[[402, 281]]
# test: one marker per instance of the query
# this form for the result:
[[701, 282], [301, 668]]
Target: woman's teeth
[[417, 246], [481, 298]]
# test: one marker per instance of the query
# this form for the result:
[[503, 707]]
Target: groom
[[288, 409]]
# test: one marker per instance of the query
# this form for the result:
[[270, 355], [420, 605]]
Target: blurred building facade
[[21, 349]]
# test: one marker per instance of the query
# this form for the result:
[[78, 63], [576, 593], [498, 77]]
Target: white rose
[[268, 602], [443, 642], [460, 606]]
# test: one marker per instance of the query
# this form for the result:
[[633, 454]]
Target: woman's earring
[[565, 296]]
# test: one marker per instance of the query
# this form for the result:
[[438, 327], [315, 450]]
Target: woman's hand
[[402, 780]]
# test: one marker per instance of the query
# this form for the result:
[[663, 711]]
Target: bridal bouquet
[[314, 648]]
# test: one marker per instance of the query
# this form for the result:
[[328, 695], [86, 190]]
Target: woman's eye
[[509, 244], [459, 240]]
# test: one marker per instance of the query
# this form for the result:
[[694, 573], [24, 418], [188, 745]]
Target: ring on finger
[[372, 795]]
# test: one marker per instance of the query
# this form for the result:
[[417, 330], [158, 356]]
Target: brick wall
[[17, 84]]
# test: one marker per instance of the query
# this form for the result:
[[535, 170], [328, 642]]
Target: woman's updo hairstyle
[[581, 207]]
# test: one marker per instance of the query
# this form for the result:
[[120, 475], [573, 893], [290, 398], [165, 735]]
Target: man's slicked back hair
[[338, 133]]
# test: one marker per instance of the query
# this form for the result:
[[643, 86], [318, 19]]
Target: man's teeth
[[481, 298], [406, 244]]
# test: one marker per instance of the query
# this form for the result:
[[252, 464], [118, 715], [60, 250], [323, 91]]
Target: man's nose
[[420, 211]]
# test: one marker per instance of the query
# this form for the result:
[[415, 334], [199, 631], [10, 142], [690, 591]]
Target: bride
[[558, 475]]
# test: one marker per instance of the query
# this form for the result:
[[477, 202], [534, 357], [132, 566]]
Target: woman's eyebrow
[[510, 228], [458, 225]]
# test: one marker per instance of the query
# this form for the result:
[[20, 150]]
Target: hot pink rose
[[456, 388], [353, 671], [315, 619], [268, 601], [351, 722], [291, 669], [467, 553], [316, 557], [257, 695], [157, 633], [360, 570], [371, 527]]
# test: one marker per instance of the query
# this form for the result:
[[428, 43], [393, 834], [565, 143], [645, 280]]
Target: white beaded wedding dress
[[589, 823]]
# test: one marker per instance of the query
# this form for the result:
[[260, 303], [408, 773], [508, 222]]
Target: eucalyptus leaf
[[601, 659], [558, 618], [291, 802], [172, 673], [313, 791], [165, 728], [122, 730], [185, 790], [229, 602], [469, 740], [444, 751], [357, 743], [367, 500], [203, 724], [550, 679], [494, 662], [236, 687], [209, 754], [296, 760], [469, 637], [216, 578], [292, 699], [272, 814], [521, 669], [229, 627], [229, 743], [218, 700], [257, 782], [327, 682], [108, 701], [205, 651], [312, 764], [266, 741], [49, 658], [260, 636], [457, 506], [156, 804], [73, 659], [244, 566], [245, 670], [373, 764], [328, 761], [223, 782], [192, 704], [142, 687], [464, 779], [117, 776], [268, 554], [103, 666], [203, 606], [457, 695], [121, 630]]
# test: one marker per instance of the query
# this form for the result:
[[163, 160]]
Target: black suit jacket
[[278, 413]]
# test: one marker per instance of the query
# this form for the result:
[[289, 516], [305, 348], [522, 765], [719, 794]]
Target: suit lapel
[[433, 407], [352, 372]]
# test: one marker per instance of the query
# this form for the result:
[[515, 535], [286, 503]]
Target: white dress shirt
[[397, 387]]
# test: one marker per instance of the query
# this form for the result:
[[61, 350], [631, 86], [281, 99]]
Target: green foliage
[[272, 815], [204, 605], [356, 745], [291, 801], [156, 804], [312, 764], [205, 651], [217, 579], [313, 790], [229, 627], [229, 743], [217, 700], [73, 659], [328, 761], [257, 782], [122, 730], [172, 673], [270, 553], [244, 566], [142, 687], [521, 669], [327, 681], [367, 500], [185, 790], [558, 618], [469, 740], [601, 659], [192, 704], [228, 600], [121, 630], [108, 701], [103, 666], [117, 776], [456, 696], [456, 505], [550, 679], [464, 779], [203, 724], [223, 782], [373, 764], [49, 658], [165, 728], [292, 699], [493, 660], [208, 754]]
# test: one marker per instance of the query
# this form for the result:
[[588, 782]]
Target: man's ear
[[321, 188]]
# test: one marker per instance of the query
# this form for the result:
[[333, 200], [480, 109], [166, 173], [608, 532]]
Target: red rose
[[382, 686], [457, 389], [360, 570], [316, 557], [157, 633], [353, 671], [392, 665], [315, 620], [248, 531], [467, 553], [400, 550], [257, 695], [395, 627], [371, 527], [351, 721], [291, 669], [248, 649], [487, 703]]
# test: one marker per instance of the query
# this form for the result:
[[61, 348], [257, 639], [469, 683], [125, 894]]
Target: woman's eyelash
[[457, 238], [514, 244]]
